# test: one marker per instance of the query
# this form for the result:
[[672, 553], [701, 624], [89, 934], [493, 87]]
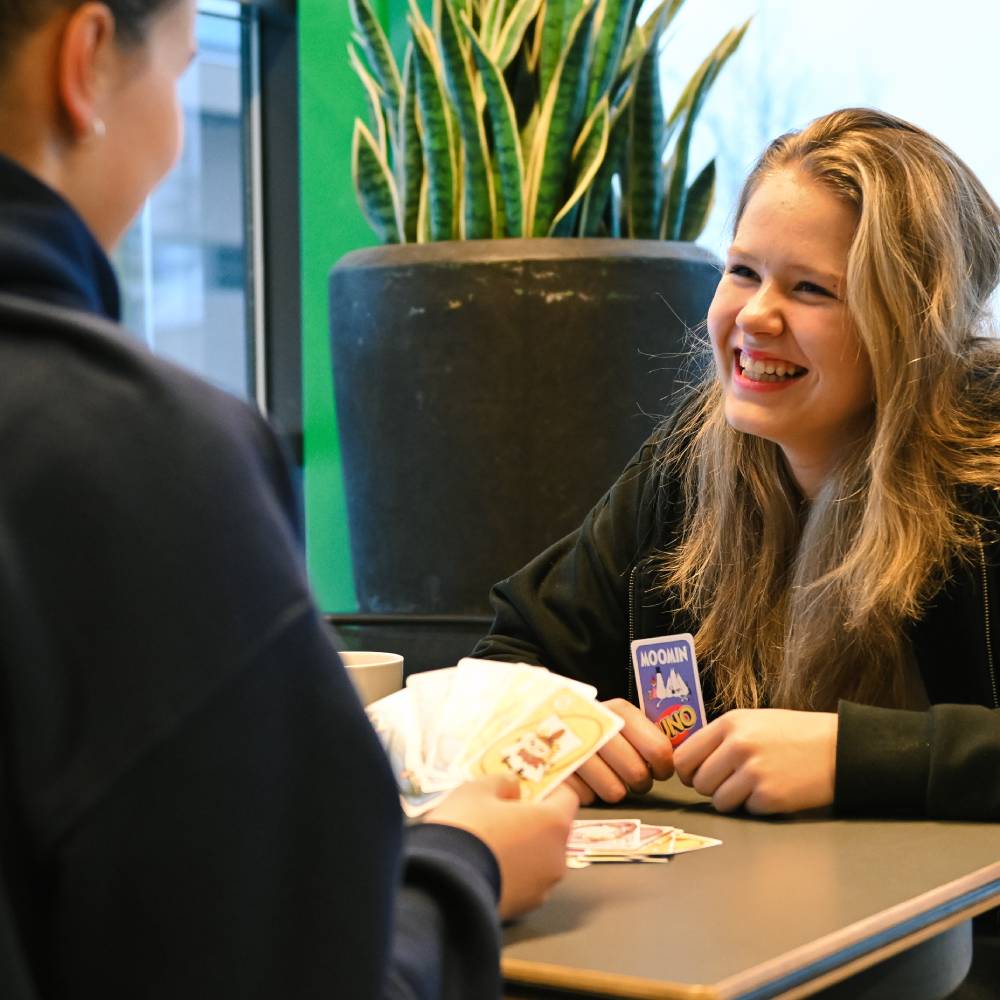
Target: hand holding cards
[[488, 717]]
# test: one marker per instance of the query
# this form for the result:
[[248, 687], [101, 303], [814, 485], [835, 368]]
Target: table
[[785, 907]]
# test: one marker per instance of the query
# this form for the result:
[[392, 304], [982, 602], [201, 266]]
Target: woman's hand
[[768, 760], [528, 839], [628, 762]]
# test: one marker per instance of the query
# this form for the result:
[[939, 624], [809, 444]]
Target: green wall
[[330, 97], [332, 225]]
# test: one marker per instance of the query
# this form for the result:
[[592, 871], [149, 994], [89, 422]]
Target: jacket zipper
[[629, 678], [986, 619]]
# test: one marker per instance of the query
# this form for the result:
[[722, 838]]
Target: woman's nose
[[761, 314]]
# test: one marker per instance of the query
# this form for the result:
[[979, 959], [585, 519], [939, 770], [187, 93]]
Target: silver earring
[[98, 129]]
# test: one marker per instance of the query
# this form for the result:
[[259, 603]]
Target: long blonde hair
[[801, 604]]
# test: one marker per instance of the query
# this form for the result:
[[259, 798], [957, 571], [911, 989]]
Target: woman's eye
[[813, 289]]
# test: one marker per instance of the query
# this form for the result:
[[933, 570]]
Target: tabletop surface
[[779, 894]]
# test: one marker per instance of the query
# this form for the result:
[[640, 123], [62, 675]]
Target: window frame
[[276, 223]]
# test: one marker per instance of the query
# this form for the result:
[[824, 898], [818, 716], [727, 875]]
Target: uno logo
[[677, 721]]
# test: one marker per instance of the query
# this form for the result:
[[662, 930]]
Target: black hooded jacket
[[576, 607]]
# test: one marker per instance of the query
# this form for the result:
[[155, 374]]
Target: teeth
[[767, 371]]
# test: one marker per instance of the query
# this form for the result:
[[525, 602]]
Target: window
[[931, 66], [187, 265]]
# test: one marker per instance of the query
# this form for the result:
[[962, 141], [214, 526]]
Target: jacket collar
[[46, 250]]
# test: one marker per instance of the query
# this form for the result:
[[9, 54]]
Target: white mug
[[374, 675]]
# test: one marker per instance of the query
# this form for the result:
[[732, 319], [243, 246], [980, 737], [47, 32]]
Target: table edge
[[878, 936]]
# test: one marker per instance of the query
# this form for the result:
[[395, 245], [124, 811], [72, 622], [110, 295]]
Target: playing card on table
[[681, 842], [666, 677], [604, 835], [656, 845]]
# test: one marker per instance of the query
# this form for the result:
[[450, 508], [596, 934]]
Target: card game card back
[[666, 677]]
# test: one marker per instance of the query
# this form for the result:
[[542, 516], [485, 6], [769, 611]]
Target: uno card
[[550, 742], [614, 835], [666, 677]]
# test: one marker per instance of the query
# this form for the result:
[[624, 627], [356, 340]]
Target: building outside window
[[801, 60], [186, 263]]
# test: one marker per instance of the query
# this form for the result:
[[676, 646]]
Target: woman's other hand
[[629, 762], [768, 760]]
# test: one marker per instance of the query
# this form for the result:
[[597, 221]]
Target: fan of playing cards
[[488, 717]]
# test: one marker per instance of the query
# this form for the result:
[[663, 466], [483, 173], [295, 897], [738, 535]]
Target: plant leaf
[[644, 197], [553, 29], [477, 218], [376, 47], [506, 142], [596, 200], [698, 203], [423, 221], [492, 23], [558, 123], [639, 39], [588, 155], [410, 159], [373, 184], [438, 140], [689, 105], [533, 52], [708, 70], [513, 31], [613, 23], [375, 96]]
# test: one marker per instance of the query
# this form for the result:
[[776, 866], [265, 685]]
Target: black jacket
[[192, 801], [577, 606]]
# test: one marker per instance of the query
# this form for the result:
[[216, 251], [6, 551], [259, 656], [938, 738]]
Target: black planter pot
[[488, 392]]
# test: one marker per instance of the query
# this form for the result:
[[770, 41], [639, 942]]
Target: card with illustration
[[604, 834], [526, 689], [549, 742], [476, 687], [658, 844], [666, 677], [648, 834], [675, 841]]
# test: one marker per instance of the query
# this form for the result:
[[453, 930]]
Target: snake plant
[[528, 118]]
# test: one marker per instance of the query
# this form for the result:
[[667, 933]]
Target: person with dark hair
[[192, 800]]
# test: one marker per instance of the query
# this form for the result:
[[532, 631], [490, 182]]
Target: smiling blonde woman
[[821, 512]]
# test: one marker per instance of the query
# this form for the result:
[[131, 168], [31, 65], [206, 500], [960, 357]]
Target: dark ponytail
[[19, 17]]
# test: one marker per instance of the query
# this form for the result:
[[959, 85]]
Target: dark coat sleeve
[[943, 763], [568, 608]]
